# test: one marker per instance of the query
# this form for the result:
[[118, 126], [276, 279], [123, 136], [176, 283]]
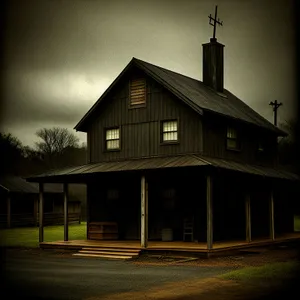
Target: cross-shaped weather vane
[[214, 21]]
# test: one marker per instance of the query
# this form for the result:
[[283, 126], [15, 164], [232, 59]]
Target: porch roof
[[67, 174]]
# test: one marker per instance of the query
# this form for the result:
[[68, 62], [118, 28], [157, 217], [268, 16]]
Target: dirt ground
[[257, 257], [209, 288], [217, 288]]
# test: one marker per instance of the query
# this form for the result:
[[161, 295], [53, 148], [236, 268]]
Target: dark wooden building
[[174, 158], [19, 203]]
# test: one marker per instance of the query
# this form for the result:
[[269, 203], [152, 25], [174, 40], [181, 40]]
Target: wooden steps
[[108, 252]]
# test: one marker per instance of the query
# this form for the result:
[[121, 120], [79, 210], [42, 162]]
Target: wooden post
[[36, 211], [41, 213], [8, 201], [80, 213], [144, 221], [87, 210], [146, 211], [248, 218], [66, 217], [209, 210], [271, 207]]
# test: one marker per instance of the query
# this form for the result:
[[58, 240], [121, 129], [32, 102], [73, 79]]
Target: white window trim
[[116, 137], [171, 131]]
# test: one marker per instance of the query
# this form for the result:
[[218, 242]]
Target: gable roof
[[194, 93]]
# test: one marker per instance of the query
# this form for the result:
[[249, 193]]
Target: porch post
[[87, 211], [8, 201], [35, 210], [66, 217], [144, 213], [248, 218], [271, 207], [41, 213], [209, 212]]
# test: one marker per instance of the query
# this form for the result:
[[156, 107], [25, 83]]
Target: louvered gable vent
[[137, 92]]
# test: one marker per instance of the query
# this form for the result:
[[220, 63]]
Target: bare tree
[[12, 154], [55, 142]]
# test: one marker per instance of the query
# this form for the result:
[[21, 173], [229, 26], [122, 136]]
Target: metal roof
[[196, 94], [165, 162], [253, 169], [128, 165], [16, 184]]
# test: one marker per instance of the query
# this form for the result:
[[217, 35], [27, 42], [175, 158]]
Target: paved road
[[47, 276]]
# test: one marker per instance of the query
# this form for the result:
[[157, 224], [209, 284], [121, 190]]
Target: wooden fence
[[27, 219]]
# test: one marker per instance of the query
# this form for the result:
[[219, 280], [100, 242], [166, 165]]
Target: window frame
[[168, 142], [105, 139], [236, 139], [138, 105]]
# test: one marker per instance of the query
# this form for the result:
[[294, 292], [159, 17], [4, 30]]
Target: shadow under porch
[[251, 208], [172, 196], [224, 206]]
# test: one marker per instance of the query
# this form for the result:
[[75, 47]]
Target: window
[[137, 92], [113, 139], [169, 131], [232, 139], [260, 147], [112, 194]]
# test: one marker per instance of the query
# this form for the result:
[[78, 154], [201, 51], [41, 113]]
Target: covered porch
[[226, 208], [178, 247]]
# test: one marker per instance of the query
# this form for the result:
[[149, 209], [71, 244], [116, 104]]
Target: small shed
[[19, 203]]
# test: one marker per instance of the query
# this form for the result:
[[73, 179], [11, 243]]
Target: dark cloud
[[60, 55]]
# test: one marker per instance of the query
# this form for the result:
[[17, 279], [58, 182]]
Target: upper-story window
[[169, 131], [232, 141], [137, 92], [113, 139]]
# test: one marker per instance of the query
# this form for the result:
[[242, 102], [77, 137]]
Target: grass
[[28, 237], [270, 271], [297, 223]]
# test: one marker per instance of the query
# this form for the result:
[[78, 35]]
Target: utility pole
[[275, 106]]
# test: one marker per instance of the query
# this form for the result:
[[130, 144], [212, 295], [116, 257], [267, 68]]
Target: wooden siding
[[214, 141], [140, 128]]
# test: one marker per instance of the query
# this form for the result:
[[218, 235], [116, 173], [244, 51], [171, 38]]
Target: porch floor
[[176, 246]]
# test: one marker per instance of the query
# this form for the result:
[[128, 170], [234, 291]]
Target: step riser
[[109, 253], [111, 250], [102, 256]]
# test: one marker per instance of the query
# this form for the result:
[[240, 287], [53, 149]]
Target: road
[[45, 276]]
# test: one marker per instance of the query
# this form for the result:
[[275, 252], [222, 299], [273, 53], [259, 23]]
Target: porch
[[230, 208], [177, 247]]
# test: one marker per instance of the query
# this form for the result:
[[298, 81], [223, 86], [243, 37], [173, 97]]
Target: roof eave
[[80, 126]]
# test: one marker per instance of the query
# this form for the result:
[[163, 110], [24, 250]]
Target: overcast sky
[[61, 55]]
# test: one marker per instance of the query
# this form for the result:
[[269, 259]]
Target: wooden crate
[[102, 231]]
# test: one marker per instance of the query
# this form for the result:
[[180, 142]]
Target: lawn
[[270, 271], [297, 223], [29, 236]]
